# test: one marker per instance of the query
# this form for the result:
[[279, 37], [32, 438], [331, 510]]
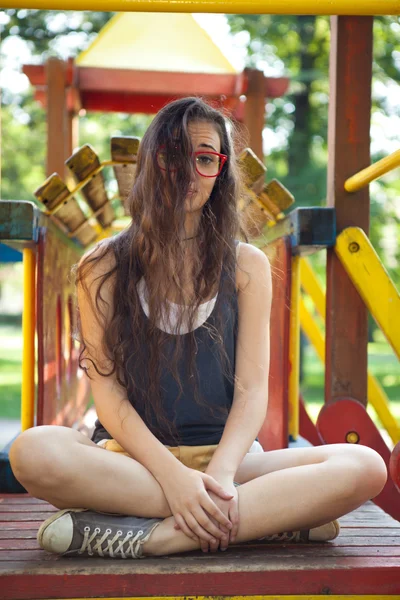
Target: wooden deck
[[365, 559]]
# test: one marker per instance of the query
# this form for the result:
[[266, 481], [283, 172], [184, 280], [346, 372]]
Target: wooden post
[[56, 116], [254, 110], [349, 151], [72, 132]]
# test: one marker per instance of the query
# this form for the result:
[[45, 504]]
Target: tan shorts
[[194, 457]]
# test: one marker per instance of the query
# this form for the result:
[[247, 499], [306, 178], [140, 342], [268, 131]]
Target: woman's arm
[[252, 363], [184, 488], [112, 405]]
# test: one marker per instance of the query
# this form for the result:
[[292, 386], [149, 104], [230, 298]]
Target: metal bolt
[[354, 247], [352, 437]]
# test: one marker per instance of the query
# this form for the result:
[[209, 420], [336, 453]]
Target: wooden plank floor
[[365, 559]]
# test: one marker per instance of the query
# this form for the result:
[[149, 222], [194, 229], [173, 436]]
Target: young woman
[[174, 316]]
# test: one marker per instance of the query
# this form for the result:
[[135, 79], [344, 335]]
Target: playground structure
[[54, 238]]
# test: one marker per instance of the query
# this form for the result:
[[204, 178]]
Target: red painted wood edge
[[307, 428], [394, 466], [159, 82], [377, 576]]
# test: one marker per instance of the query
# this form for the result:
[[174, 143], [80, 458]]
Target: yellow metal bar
[[294, 350], [381, 404], [28, 333], [312, 331], [311, 285], [364, 177], [372, 281], [376, 395], [276, 7]]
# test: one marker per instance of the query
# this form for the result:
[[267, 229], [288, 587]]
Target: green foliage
[[23, 140], [24, 120], [298, 46], [41, 29]]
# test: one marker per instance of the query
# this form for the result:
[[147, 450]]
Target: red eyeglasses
[[207, 164]]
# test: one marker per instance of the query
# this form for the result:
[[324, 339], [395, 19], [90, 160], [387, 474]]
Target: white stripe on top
[[169, 322]]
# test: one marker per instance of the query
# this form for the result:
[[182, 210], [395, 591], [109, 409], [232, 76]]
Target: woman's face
[[205, 137]]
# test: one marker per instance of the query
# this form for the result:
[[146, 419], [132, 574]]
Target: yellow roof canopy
[[155, 42]]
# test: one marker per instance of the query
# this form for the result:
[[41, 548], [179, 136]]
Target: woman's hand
[[230, 509], [188, 494]]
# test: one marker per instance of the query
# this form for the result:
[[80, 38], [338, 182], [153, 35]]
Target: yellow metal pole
[[276, 7], [294, 351], [28, 333], [364, 177], [376, 395], [372, 281], [312, 331], [312, 286]]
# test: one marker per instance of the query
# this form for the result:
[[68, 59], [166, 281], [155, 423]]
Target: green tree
[[299, 47]]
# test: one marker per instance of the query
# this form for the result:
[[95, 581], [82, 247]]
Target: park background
[[295, 146]]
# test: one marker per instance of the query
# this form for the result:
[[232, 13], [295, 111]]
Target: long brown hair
[[152, 248]]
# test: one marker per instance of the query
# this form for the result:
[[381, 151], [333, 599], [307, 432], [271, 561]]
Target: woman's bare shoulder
[[252, 265], [98, 260]]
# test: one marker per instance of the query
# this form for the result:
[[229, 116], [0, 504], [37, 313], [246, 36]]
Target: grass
[[382, 363], [10, 371]]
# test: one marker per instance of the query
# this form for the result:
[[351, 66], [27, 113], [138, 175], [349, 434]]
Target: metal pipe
[[276, 7], [377, 397], [294, 351], [28, 333], [364, 177]]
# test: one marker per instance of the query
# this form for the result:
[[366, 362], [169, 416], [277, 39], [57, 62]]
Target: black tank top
[[201, 422]]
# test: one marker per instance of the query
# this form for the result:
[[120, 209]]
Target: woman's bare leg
[[262, 463], [336, 480], [65, 468], [286, 490]]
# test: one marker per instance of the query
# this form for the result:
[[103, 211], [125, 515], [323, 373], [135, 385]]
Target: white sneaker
[[78, 531], [324, 533]]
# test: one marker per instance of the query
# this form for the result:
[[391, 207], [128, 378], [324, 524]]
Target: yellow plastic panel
[[275, 7], [372, 281]]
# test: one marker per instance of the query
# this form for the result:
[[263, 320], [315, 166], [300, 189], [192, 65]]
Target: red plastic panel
[[347, 417]]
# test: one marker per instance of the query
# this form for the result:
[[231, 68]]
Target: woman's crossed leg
[[282, 490]]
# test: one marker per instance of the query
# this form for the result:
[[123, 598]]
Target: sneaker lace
[[128, 546], [285, 536]]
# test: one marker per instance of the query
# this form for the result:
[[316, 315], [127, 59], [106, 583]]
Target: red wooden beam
[[37, 73], [149, 82], [156, 82], [339, 575], [274, 432], [349, 151]]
